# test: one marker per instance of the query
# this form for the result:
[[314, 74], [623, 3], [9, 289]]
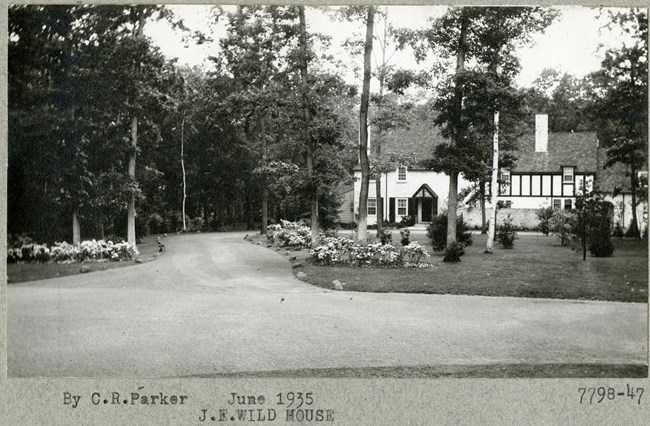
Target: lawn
[[538, 266], [22, 272]]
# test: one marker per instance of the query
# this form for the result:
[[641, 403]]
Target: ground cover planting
[[64, 259], [539, 266]]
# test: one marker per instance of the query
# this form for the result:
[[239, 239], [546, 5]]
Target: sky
[[571, 44]]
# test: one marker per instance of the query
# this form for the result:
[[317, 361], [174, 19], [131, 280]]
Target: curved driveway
[[213, 304]]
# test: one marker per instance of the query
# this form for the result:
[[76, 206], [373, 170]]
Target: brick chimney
[[541, 132]]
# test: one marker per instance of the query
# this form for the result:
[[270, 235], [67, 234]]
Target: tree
[[304, 80], [564, 98], [488, 36], [254, 54], [621, 105], [363, 127]]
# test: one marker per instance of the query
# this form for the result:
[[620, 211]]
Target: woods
[[109, 138]]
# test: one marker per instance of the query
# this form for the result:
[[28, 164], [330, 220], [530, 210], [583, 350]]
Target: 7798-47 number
[[603, 393]]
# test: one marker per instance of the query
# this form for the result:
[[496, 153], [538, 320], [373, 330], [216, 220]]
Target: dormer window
[[401, 173], [567, 175]]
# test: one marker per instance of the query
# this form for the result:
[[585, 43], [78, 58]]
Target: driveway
[[215, 303]]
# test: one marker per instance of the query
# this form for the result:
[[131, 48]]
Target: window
[[402, 206], [546, 185], [536, 185], [505, 181], [642, 177], [557, 204], [567, 204], [525, 185], [352, 207], [567, 174], [401, 173], [372, 206]]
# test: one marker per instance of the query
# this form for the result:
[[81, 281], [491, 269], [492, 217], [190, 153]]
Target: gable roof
[[578, 149], [417, 140]]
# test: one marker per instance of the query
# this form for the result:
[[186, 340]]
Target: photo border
[[354, 401]]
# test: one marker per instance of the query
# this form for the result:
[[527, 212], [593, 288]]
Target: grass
[[462, 371], [538, 266], [23, 272]]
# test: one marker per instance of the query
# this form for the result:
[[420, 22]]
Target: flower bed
[[86, 251], [290, 234], [334, 250]]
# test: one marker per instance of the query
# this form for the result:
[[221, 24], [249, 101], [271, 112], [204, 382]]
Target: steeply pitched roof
[[564, 149], [417, 140]]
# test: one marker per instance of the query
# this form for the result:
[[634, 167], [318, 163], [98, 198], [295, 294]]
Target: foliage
[[335, 250], [594, 224], [618, 230], [414, 252], [437, 232], [330, 249], [86, 251], [506, 233], [408, 221], [562, 224], [386, 236], [544, 215], [453, 252], [564, 98], [405, 236], [291, 234], [374, 254], [620, 107]]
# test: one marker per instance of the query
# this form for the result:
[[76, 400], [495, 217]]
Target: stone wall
[[522, 218]]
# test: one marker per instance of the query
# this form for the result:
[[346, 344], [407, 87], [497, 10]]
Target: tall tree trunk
[[131, 206], [452, 205], [265, 190], [183, 169], [494, 187], [76, 227], [482, 195], [363, 129], [379, 131], [634, 226], [130, 222], [313, 187]]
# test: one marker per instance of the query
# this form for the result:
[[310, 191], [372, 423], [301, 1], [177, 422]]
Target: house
[[408, 189], [550, 171]]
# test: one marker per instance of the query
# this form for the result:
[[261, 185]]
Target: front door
[[427, 209]]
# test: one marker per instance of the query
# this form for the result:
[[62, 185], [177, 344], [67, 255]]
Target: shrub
[[453, 252], [196, 224], [601, 246], [293, 234], [437, 232], [506, 233], [618, 230], [414, 252], [386, 236], [406, 236], [562, 224], [544, 216], [408, 221], [156, 224], [594, 224]]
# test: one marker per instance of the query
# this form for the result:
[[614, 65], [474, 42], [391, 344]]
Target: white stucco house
[[549, 171], [409, 189]]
